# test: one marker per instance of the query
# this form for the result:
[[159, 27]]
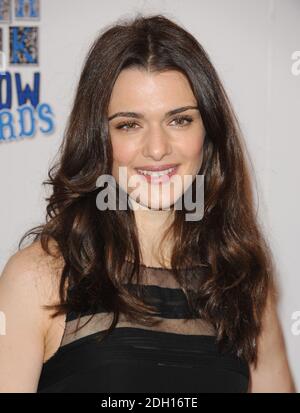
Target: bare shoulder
[[29, 281], [35, 272]]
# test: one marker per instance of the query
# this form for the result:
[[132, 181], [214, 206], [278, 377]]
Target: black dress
[[179, 355]]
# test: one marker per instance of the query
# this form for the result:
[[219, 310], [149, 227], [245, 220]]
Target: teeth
[[156, 173]]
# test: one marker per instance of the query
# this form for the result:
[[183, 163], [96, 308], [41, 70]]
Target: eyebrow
[[141, 116]]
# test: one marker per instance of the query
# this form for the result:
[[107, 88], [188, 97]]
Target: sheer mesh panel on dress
[[161, 290]]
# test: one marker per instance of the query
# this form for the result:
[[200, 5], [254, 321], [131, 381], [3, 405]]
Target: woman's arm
[[272, 374], [23, 284]]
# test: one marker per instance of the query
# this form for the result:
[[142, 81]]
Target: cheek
[[123, 152], [191, 148]]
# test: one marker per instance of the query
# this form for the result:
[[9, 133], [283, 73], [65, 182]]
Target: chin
[[161, 206], [158, 198], [156, 203]]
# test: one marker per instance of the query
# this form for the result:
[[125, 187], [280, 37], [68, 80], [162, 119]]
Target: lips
[[154, 177], [157, 167]]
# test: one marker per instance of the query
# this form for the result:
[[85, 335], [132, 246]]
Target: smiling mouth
[[158, 176]]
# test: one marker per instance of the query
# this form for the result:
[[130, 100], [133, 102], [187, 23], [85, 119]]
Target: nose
[[157, 144]]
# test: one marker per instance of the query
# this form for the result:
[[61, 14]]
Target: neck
[[151, 225]]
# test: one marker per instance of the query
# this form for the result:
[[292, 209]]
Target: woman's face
[[149, 136]]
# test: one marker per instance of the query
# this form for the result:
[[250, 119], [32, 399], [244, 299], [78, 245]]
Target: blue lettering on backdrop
[[6, 77], [27, 93], [45, 107], [33, 11], [29, 113], [22, 115], [23, 94], [6, 124], [19, 45]]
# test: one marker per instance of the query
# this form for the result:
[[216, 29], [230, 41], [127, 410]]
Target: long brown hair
[[232, 283]]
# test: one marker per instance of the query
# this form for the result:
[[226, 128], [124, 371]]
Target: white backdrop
[[251, 43]]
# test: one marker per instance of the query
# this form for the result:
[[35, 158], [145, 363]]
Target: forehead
[[137, 89]]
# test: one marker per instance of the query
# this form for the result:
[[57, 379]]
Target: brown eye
[[129, 125], [180, 120]]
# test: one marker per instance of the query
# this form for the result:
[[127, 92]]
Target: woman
[[145, 299]]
